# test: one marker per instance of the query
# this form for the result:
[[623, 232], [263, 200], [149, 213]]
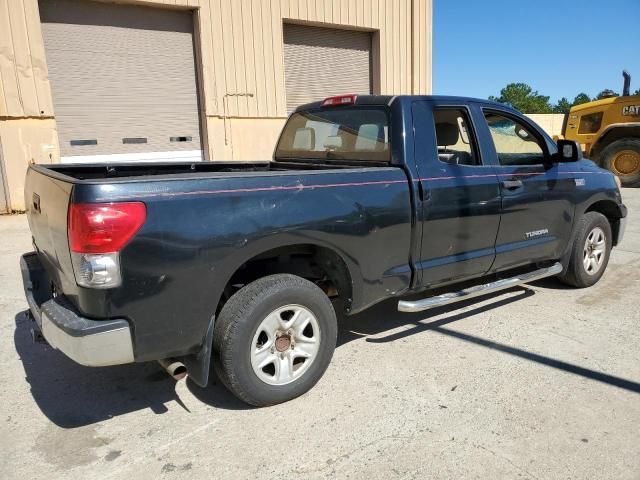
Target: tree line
[[522, 97]]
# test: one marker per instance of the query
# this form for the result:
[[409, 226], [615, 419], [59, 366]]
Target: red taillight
[[340, 100], [104, 227]]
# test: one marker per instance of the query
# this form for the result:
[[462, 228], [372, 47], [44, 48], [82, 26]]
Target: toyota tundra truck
[[244, 267]]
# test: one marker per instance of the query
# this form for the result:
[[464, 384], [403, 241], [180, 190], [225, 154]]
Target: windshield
[[342, 133]]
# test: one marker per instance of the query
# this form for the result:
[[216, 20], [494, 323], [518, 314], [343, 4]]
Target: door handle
[[512, 184]]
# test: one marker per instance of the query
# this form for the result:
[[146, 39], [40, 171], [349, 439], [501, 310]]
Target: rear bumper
[[93, 343]]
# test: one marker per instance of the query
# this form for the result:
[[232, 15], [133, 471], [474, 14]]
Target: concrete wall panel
[[24, 84], [550, 122], [25, 141]]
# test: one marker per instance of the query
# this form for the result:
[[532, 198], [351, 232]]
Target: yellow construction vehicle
[[609, 132]]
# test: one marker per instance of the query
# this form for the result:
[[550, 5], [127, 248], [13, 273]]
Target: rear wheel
[[590, 251], [622, 157], [274, 339]]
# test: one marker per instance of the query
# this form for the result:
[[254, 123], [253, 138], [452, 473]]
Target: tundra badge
[[537, 233]]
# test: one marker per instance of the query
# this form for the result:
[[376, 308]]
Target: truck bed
[[99, 171]]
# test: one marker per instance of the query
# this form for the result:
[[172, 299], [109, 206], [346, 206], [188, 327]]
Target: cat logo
[[632, 110]]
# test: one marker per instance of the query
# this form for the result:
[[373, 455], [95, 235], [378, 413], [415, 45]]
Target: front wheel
[[274, 339], [622, 157], [590, 251]]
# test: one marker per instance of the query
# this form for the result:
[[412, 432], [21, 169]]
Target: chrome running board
[[477, 291]]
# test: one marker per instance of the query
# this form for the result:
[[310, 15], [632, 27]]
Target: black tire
[[238, 323], [576, 274], [611, 151]]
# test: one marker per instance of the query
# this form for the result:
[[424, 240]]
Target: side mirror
[[568, 151]]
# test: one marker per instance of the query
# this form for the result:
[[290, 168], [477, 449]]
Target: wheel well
[[610, 210], [611, 136], [319, 265]]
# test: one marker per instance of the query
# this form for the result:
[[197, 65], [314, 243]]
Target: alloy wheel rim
[[594, 251], [285, 345], [626, 162]]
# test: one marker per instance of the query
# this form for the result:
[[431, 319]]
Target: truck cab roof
[[389, 99]]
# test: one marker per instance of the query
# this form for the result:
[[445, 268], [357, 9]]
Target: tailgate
[[47, 199]]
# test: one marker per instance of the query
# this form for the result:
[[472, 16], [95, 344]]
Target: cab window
[[454, 137], [356, 133], [515, 143]]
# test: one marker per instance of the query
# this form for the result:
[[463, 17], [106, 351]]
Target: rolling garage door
[[320, 62], [123, 81]]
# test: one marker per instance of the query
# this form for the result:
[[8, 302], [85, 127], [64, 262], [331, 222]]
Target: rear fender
[[199, 364], [264, 245]]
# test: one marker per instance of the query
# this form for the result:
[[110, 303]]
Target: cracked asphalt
[[541, 382]]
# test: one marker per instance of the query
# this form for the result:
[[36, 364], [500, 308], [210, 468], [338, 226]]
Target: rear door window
[[454, 137], [342, 133]]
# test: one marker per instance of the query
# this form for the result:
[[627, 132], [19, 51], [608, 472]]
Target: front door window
[[515, 144]]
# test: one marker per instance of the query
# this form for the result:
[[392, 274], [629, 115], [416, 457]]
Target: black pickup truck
[[242, 266]]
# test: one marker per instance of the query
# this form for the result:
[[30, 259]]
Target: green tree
[[606, 93], [581, 98], [563, 106], [637, 92], [522, 97]]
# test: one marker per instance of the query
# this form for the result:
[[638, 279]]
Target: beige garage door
[[320, 62], [123, 81]]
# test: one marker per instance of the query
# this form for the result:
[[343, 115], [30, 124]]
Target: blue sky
[[560, 47]]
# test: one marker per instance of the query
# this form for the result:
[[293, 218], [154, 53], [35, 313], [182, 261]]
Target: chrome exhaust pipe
[[174, 368], [37, 337]]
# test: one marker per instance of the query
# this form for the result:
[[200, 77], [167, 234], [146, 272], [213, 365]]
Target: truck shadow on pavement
[[71, 395], [372, 327]]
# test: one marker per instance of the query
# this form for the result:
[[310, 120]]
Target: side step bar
[[478, 290]]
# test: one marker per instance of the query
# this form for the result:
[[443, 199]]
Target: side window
[[515, 143], [454, 137]]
